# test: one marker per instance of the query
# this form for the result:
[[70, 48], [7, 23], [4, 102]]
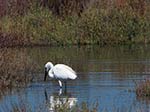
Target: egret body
[[60, 72]]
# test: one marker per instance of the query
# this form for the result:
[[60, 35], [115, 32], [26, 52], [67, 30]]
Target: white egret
[[60, 72]]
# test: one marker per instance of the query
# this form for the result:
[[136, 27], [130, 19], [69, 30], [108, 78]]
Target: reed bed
[[62, 23]]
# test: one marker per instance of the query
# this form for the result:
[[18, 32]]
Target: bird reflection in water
[[60, 100]]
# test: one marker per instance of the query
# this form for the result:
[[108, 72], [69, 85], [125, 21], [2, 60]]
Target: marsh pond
[[107, 78]]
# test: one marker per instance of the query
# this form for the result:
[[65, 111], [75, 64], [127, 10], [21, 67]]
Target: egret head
[[48, 66]]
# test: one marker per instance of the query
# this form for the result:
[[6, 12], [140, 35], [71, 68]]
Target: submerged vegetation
[[46, 22]]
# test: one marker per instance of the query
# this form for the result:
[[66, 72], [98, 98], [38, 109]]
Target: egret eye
[[47, 69]]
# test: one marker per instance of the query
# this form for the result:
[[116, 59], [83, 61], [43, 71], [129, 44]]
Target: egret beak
[[46, 73]]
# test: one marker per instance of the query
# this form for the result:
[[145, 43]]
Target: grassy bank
[[100, 23]]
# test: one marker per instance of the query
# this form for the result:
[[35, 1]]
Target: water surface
[[106, 76]]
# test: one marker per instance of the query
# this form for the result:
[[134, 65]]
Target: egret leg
[[60, 83]]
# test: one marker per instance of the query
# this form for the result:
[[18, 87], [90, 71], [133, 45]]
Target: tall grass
[[117, 23]]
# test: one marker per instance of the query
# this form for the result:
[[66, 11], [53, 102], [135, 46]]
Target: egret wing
[[62, 71], [67, 67]]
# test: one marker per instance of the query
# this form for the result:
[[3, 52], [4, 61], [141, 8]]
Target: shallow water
[[106, 76]]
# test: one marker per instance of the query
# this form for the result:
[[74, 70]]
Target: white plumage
[[60, 72]]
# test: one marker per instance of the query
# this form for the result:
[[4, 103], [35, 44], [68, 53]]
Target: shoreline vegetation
[[45, 22], [143, 88]]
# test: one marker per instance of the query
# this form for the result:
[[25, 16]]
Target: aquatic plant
[[143, 88], [83, 107], [59, 108]]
